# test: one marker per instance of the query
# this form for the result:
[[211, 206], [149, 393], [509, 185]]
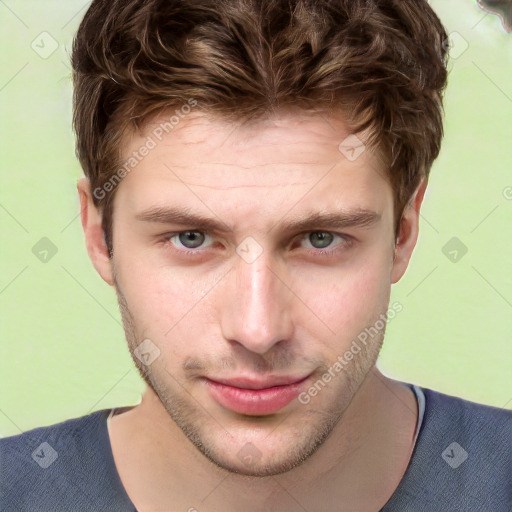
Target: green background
[[63, 352]]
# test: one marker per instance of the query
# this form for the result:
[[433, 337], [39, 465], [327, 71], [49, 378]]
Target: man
[[255, 171]]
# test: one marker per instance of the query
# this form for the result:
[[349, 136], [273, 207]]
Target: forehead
[[270, 159]]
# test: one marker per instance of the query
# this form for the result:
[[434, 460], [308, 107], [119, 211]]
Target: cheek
[[161, 300], [348, 299]]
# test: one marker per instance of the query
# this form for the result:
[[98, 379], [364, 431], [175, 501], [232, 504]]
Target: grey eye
[[191, 239], [320, 239]]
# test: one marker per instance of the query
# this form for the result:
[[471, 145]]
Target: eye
[[323, 239], [192, 242], [187, 239]]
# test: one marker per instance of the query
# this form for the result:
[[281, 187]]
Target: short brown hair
[[382, 63]]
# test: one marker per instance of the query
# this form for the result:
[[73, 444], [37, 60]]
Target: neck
[[369, 448]]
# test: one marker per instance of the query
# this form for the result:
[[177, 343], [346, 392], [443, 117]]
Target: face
[[241, 310]]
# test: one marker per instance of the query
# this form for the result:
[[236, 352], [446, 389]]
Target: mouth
[[255, 397]]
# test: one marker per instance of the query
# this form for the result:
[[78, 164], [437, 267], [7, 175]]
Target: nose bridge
[[256, 314]]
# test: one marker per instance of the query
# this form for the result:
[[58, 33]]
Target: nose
[[255, 306]]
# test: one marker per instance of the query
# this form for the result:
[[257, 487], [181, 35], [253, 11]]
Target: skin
[[291, 311]]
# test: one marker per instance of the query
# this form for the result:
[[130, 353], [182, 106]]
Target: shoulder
[[66, 429], [480, 425], [462, 460], [65, 466], [40, 445]]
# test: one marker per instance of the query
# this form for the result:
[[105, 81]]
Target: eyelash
[[346, 241]]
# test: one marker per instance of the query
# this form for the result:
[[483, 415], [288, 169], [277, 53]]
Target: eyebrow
[[359, 217]]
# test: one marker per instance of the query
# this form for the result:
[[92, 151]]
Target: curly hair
[[379, 63]]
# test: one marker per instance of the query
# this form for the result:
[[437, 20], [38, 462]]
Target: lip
[[255, 397]]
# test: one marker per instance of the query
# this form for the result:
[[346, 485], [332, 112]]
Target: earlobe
[[93, 232], [407, 234]]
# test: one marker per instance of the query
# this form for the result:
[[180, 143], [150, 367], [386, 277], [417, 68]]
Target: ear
[[93, 232], [407, 233]]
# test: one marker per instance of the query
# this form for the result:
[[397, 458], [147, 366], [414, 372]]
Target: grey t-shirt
[[462, 461]]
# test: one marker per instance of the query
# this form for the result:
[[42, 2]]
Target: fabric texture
[[462, 461], [67, 467]]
